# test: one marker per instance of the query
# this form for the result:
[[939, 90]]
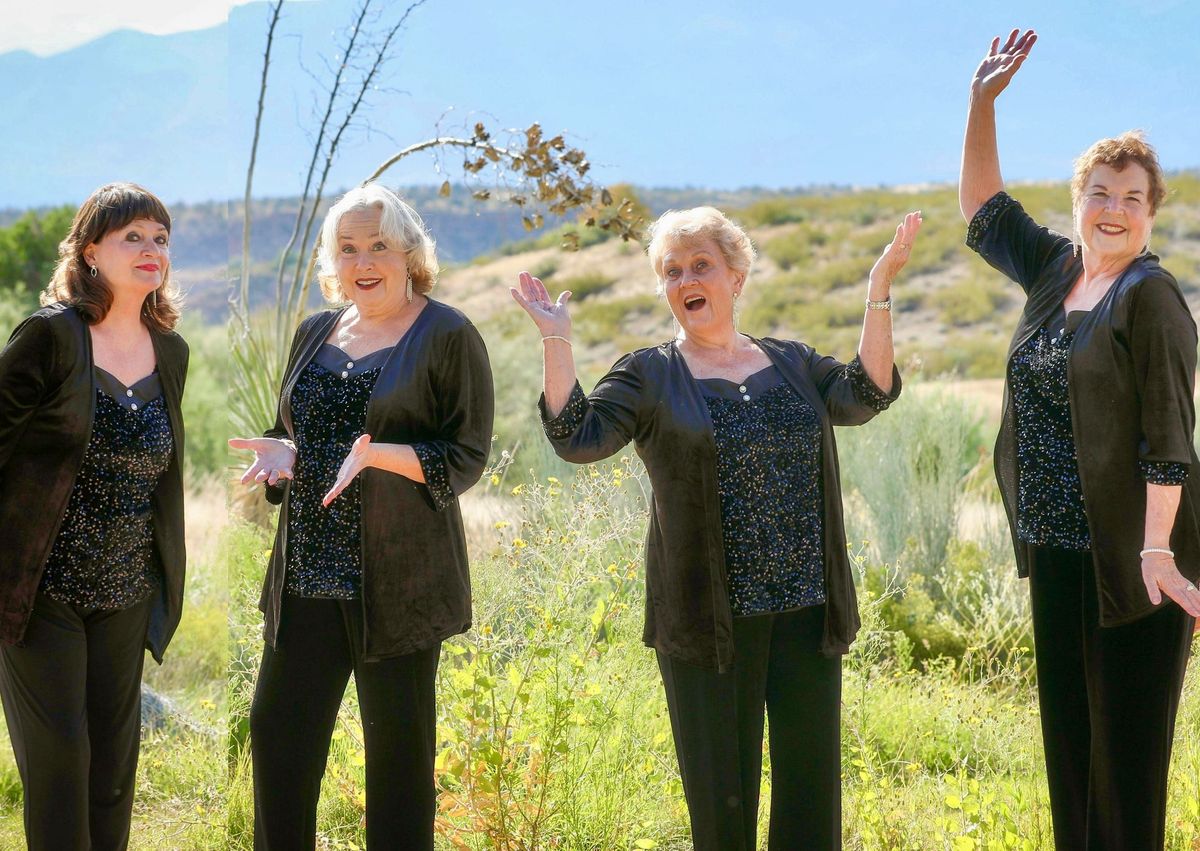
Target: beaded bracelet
[[1162, 550]]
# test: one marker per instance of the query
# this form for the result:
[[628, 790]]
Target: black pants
[[717, 721], [1108, 699], [296, 699], [72, 700]]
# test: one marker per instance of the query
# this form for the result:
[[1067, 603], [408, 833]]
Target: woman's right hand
[[1001, 63], [274, 460], [550, 317]]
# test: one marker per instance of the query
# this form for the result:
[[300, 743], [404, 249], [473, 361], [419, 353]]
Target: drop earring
[[95, 271], [408, 288]]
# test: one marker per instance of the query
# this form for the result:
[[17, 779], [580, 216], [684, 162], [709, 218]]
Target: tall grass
[[908, 466]]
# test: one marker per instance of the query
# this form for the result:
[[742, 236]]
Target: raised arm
[[980, 177], [875, 348], [554, 324]]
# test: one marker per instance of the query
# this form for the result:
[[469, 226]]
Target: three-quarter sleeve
[[454, 460], [1163, 346], [594, 427], [849, 394], [1011, 242], [24, 366]]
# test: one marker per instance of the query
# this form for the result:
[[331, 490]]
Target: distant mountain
[[127, 106], [207, 237]]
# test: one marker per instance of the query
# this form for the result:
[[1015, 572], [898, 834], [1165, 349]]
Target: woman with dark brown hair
[[91, 516]]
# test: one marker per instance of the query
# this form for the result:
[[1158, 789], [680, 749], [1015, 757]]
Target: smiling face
[[133, 260], [1112, 214], [700, 287], [371, 274]]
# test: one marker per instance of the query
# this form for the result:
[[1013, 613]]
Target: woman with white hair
[[749, 595], [385, 417]]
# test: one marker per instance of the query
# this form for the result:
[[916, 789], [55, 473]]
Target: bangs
[[119, 204]]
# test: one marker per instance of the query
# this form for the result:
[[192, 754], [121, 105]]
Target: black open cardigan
[[47, 403], [434, 392], [650, 397], [1131, 374]]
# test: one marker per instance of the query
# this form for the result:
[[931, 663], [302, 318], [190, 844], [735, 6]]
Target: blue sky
[[722, 94]]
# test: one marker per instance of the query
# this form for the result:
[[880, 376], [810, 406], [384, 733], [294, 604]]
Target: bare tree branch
[[312, 164], [302, 278], [262, 94]]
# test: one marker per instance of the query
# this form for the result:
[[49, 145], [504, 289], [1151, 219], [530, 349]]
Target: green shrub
[[791, 249], [771, 211], [908, 465], [978, 355], [969, 302], [544, 269], [586, 285]]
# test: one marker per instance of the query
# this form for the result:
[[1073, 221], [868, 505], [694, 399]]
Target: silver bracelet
[[557, 337], [886, 304], [1162, 550]]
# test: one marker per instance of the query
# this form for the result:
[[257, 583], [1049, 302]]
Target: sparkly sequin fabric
[[329, 412], [103, 556], [981, 222], [1049, 495], [772, 500]]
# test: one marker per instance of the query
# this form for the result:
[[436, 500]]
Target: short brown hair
[[109, 208], [1118, 152]]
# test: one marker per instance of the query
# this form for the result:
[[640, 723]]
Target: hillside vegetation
[[953, 313]]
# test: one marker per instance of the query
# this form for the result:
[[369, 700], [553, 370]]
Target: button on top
[[742, 389], [350, 365], [128, 392]]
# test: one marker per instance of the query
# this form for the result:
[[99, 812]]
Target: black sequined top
[[103, 555], [772, 501], [1049, 496], [329, 412], [1050, 510]]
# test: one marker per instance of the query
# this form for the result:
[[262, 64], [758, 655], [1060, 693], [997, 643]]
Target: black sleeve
[[25, 366], [850, 396], [1162, 342], [1012, 243], [454, 460], [593, 427]]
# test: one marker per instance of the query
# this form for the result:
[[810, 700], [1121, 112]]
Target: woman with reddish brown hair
[[1093, 461], [91, 513]]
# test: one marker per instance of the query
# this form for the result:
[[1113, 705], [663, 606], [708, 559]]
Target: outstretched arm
[[980, 177]]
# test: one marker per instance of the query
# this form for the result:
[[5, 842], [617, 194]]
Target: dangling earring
[[95, 272], [154, 298], [408, 288]]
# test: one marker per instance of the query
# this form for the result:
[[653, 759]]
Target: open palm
[[1001, 63], [551, 317]]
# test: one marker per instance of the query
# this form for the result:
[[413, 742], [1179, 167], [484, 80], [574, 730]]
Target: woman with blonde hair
[[385, 418], [749, 595], [91, 508]]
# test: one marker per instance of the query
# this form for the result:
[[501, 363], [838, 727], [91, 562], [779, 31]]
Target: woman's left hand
[[893, 258], [357, 461], [1161, 576]]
